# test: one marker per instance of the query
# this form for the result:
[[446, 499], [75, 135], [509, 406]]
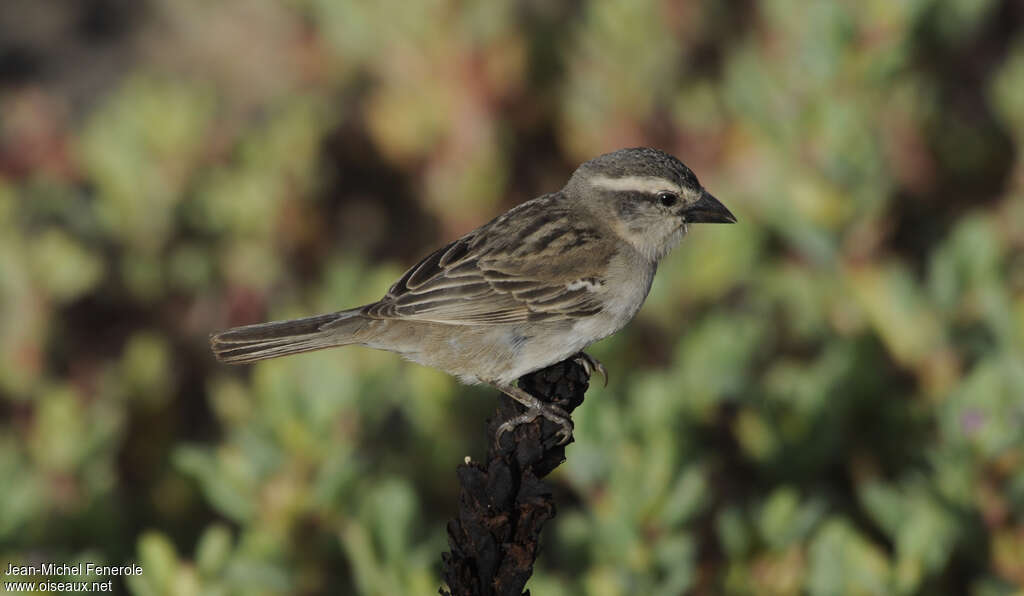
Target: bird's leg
[[534, 409], [591, 365]]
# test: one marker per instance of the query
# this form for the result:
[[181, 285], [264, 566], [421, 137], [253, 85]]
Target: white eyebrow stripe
[[649, 184]]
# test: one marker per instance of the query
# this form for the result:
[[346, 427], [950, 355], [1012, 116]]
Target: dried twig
[[503, 504]]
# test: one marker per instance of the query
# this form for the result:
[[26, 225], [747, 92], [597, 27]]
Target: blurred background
[[827, 398]]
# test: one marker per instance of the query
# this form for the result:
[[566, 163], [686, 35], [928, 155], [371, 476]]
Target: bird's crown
[[636, 169]]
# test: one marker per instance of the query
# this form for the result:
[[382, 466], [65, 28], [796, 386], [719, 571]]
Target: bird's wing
[[534, 263]]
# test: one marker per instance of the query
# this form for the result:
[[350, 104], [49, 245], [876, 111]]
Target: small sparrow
[[530, 288]]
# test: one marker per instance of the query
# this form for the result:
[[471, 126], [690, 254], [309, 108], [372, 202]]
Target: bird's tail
[[281, 338]]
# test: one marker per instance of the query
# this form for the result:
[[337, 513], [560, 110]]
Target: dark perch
[[502, 503]]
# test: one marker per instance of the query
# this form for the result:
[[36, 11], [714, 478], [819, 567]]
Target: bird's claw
[[549, 411], [591, 365]]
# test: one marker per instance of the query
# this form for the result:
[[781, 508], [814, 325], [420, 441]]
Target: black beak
[[708, 209]]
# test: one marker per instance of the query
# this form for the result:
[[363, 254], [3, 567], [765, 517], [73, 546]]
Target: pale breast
[[627, 283]]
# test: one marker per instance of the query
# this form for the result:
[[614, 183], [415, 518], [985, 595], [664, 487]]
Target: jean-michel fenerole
[[78, 569]]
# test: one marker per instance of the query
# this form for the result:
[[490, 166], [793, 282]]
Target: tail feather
[[281, 338]]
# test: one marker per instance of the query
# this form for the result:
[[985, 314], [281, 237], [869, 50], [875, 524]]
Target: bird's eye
[[667, 199]]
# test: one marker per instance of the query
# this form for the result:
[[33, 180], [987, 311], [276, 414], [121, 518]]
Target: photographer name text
[[64, 569]]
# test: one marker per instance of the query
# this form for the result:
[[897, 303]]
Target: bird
[[532, 287]]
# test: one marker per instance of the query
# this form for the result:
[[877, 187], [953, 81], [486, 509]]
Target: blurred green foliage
[[827, 398]]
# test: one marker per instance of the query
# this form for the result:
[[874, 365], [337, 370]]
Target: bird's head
[[646, 196]]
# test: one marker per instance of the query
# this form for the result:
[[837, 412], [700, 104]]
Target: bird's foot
[[591, 365], [552, 413], [535, 409]]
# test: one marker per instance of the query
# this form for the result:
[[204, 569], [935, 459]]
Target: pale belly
[[500, 354], [497, 354]]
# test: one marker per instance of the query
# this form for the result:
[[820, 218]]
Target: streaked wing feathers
[[520, 267]]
